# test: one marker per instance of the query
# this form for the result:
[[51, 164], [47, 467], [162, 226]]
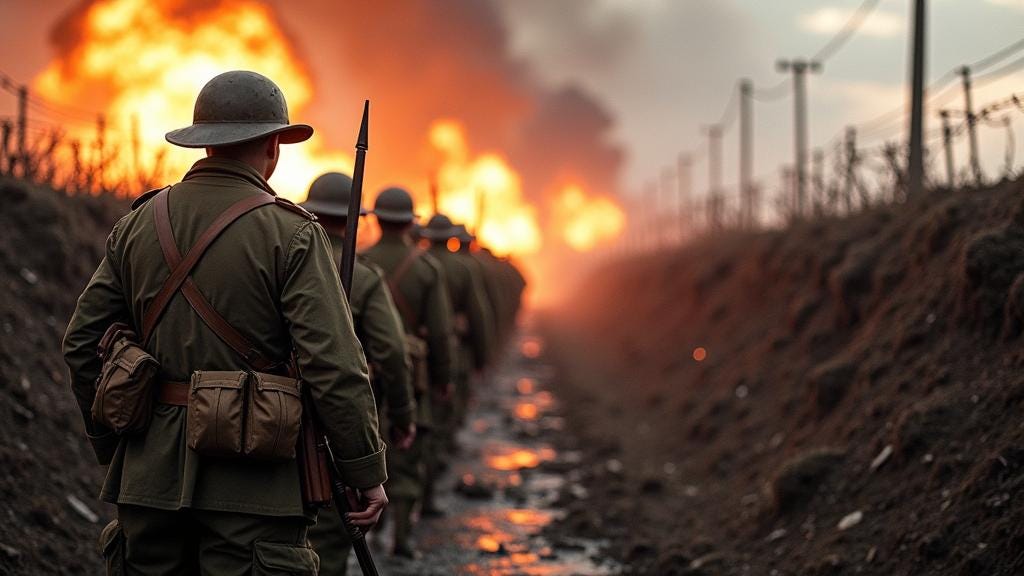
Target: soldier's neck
[[393, 236]]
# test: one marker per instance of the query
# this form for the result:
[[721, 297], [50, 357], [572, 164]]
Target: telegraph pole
[[800, 68], [684, 179], [972, 132], [818, 177], [915, 168], [5, 151], [947, 144], [23, 130], [715, 177], [851, 164], [748, 216]]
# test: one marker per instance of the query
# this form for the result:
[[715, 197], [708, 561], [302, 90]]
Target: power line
[[1000, 73], [848, 30], [998, 56]]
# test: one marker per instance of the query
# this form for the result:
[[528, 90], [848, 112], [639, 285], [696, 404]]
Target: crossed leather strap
[[180, 278]]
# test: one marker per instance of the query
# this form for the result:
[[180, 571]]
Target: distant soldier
[[256, 297], [473, 323], [418, 288], [380, 330]]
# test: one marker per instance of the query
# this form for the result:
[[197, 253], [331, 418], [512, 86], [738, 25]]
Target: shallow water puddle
[[499, 492]]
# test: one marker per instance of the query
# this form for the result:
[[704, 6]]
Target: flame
[[151, 61], [584, 221], [484, 192]]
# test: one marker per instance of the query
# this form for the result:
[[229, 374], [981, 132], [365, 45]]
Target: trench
[[501, 490]]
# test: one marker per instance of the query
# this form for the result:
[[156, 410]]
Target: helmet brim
[[329, 209], [438, 234], [394, 216], [214, 134]]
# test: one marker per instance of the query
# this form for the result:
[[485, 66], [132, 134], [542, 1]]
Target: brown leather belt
[[173, 393]]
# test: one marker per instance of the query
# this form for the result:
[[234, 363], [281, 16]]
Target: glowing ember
[[528, 517], [483, 192], [527, 411], [586, 221], [531, 348], [512, 458], [700, 353], [526, 385], [488, 543]]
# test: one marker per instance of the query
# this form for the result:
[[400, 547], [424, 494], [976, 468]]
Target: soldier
[[473, 324], [263, 291], [379, 328], [418, 288]]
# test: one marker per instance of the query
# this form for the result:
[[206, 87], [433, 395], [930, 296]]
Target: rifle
[[324, 463]]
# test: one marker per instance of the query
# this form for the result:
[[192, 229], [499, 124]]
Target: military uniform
[[271, 274], [420, 293], [379, 329]]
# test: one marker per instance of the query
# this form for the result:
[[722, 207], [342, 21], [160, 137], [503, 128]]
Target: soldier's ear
[[273, 147]]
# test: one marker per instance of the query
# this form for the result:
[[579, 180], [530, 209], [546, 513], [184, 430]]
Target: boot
[[402, 517]]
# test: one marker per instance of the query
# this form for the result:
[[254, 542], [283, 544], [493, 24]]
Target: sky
[[665, 69]]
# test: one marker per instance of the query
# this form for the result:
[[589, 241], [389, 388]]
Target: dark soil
[[49, 246], [864, 368]]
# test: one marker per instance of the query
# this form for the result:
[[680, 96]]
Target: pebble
[[742, 391], [776, 535], [20, 410], [83, 510], [872, 553], [850, 520], [579, 492], [9, 551], [29, 276], [614, 466], [691, 490], [882, 457]]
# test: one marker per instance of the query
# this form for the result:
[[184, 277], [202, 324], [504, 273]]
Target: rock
[[614, 466], [882, 457], [829, 383], [798, 480], [776, 534], [850, 520], [82, 510], [29, 276], [871, 555], [579, 492], [9, 551]]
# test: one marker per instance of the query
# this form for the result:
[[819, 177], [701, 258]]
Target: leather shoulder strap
[[180, 273], [141, 200]]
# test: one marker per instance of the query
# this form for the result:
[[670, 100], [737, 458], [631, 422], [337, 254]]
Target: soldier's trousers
[[331, 543], [154, 542]]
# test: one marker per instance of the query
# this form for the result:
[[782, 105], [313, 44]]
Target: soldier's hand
[[403, 437], [372, 502]]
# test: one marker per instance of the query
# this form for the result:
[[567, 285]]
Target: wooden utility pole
[[947, 144], [818, 179], [23, 131], [800, 68], [851, 165], [972, 132], [915, 167], [684, 180], [748, 213], [715, 177], [5, 151]]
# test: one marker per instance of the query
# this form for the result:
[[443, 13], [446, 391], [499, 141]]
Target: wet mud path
[[501, 490]]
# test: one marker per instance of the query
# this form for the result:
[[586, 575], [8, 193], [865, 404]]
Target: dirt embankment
[[49, 246], [859, 409]]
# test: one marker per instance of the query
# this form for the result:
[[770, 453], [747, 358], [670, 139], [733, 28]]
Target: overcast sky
[[665, 68]]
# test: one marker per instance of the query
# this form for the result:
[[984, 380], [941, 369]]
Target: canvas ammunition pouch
[[416, 347], [249, 414], [125, 387]]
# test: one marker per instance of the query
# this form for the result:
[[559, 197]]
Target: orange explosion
[[484, 192], [585, 221], [150, 61]]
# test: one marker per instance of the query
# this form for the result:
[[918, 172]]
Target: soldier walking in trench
[[474, 330], [419, 290], [253, 302], [379, 328]]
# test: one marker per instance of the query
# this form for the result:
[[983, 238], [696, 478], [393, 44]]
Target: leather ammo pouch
[[417, 349], [248, 414], [125, 388]]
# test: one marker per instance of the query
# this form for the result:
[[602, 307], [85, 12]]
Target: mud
[[502, 491]]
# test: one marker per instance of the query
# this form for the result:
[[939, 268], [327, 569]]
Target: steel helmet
[[237, 107], [394, 205], [329, 195], [439, 227]]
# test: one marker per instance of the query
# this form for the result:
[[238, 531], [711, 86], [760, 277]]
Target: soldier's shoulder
[[431, 264], [366, 265], [293, 208], [146, 197]]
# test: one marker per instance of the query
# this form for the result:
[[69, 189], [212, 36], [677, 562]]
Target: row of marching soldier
[[216, 325]]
